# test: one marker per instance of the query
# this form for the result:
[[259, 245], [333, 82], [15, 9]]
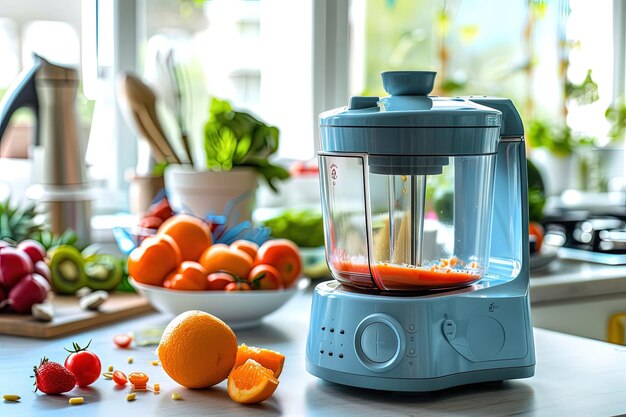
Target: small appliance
[[50, 91], [425, 210]]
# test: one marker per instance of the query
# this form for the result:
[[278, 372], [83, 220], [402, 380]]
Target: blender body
[[424, 203]]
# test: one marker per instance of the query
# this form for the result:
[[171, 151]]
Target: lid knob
[[408, 83]]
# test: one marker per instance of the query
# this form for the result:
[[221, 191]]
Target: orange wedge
[[267, 358], [251, 383]]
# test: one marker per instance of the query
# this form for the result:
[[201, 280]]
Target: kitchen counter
[[574, 376]]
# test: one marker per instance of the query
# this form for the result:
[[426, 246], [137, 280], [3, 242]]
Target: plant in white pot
[[237, 150]]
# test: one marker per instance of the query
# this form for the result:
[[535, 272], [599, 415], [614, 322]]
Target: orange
[[267, 358], [248, 247], [251, 383], [223, 258], [190, 276], [197, 349], [192, 235], [153, 260]]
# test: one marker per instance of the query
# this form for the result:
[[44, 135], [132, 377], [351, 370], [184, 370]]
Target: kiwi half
[[103, 272], [67, 269]]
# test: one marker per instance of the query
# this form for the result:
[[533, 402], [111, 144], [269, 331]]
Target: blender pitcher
[[402, 162]]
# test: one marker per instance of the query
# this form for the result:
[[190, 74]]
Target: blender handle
[[22, 93], [512, 126]]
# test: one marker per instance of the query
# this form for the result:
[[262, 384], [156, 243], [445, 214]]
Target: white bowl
[[239, 309]]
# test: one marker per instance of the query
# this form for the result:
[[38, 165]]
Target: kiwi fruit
[[67, 269], [103, 272]]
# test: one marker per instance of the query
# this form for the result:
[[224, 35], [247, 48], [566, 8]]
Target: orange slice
[[251, 383], [267, 358]]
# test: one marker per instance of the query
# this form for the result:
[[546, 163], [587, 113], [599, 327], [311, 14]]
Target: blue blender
[[424, 201]]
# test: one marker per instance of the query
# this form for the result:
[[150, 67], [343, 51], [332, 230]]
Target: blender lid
[[409, 105]]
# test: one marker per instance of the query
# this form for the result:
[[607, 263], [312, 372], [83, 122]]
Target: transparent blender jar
[[427, 228]]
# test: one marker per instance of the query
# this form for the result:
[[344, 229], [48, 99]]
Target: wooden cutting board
[[70, 318]]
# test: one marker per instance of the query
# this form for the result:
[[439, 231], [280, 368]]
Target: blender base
[[419, 343]]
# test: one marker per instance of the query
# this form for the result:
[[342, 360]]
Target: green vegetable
[[303, 227], [233, 138]]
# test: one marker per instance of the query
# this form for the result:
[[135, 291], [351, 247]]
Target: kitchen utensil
[[405, 313], [141, 101], [50, 90]]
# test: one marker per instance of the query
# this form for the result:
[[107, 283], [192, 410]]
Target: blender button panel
[[379, 342], [411, 328], [449, 329]]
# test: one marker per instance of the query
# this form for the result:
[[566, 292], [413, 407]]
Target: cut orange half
[[267, 358], [251, 383]]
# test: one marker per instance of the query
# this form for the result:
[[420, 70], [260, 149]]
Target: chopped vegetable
[[11, 397], [120, 378], [131, 397], [176, 396]]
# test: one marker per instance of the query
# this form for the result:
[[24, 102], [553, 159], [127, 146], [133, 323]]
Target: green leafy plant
[[234, 138], [616, 115], [19, 223], [557, 139], [304, 227]]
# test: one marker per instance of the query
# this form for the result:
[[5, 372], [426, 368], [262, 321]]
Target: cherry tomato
[[237, 286], [122, 340], [138, 379], [85, 365], [265, 277], [120, 378]]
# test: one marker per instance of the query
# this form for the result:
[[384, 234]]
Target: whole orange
[[197, 349], [189, 276], [153, 260], [191, 234], [247, 246], [223, 258]]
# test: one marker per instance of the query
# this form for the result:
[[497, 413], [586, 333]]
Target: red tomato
[[218, 281], [120, 378], [283, 255], [138, 379], [85, 365], [265, 277], [122, 340], [237, 286]]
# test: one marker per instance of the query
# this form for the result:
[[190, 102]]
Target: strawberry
[[53, 378]]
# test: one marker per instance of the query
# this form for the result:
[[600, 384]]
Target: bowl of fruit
[[186, 264]]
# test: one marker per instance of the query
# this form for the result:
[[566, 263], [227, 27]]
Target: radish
[[32, 289], [35, 250], [14, 264], [43, 269]]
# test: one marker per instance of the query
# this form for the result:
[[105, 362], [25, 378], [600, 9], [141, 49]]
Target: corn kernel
[[176, 396], [11, 397], [108, 375], [130, 360], [110, 368], [131, 396], [76, 400], [155, 363]]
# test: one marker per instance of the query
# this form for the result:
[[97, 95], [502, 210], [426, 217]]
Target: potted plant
[[237, 150]]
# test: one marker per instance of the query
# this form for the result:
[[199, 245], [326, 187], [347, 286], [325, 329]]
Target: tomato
[[120, 378], [265, 277], [238, 286], [85, 365], [283, 255], [138, 379], [217, 281], [122, 340], [190, 276], [536, 229], [219, 258]]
